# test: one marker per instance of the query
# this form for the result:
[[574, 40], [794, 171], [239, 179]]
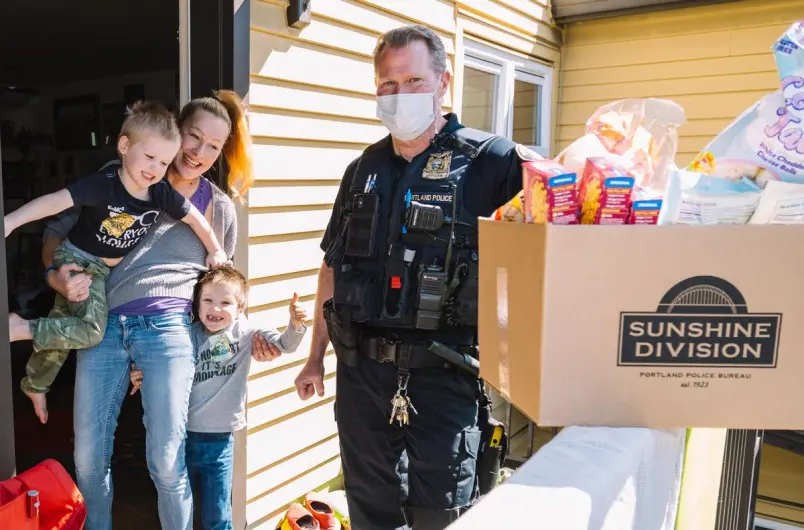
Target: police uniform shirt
[[494, 177]]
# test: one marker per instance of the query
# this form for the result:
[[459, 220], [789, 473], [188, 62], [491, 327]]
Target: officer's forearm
[[326, 285]]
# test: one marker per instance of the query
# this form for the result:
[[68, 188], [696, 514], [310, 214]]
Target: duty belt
[[383, 350]]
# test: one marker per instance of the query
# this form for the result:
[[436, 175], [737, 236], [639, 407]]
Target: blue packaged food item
[[766, 142]]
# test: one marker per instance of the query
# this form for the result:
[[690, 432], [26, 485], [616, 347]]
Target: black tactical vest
[[392, 280]]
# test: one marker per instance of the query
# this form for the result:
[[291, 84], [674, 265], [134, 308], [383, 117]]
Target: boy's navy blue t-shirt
[[112, 221]]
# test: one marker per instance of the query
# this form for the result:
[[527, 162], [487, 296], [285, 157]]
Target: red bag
[[61, 506]]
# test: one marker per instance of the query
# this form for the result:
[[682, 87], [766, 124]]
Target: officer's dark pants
[[420, 475]]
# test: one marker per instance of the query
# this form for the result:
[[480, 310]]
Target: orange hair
[[228, 106]]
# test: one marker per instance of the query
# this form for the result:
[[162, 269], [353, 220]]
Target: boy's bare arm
[[203, 230], [39, 208]]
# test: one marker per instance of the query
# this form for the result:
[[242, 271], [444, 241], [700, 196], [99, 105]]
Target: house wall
[[312, 102], [780, 494], [714, 61]]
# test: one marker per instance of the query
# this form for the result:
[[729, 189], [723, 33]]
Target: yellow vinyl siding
[[781, 486], [715, 61], [312, 112]]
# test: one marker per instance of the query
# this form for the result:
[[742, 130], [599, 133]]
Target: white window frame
[[509, 68]]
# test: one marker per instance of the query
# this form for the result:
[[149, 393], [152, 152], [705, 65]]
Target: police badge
[[437, 166]]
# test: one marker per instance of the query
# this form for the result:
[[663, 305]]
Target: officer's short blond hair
[[402, 37]]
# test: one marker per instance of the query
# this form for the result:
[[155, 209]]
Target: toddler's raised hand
[[297, 313]]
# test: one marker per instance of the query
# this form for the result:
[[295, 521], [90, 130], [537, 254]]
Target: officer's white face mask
[[407, 116]]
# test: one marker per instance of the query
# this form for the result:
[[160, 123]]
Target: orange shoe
[[322, 510], [298, 518]]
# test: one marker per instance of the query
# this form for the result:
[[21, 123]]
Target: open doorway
[[68, 70]]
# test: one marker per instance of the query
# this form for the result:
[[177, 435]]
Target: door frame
[[8, 459], [218, 59]]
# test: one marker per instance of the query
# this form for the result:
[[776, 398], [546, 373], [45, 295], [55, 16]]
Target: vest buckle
[[387, 351]]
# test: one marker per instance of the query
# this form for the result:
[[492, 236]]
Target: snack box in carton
[[645, 211], [551, 193], [664, 326], [605, 192]]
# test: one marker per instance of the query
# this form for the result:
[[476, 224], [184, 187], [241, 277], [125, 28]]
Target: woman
[[149, 296]]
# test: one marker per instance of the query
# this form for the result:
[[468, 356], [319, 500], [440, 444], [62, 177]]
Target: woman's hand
[[262, 350], [71, 282]]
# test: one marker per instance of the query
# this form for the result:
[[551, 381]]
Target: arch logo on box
[[702, 322]]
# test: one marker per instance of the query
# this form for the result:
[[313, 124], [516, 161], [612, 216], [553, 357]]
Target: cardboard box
[[655, 326]]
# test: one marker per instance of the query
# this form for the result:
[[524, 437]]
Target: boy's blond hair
[[150, 117], [225, 274]]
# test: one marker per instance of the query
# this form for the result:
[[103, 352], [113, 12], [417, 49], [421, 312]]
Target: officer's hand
[[310, 380], [262, 350]]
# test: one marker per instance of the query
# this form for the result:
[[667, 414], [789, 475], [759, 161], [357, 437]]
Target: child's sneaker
[[298, 518], [322, 510]]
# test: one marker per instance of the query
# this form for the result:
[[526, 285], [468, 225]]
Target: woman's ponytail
[[237, 149]]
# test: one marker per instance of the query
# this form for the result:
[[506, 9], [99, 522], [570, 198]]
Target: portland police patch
[[437, 166]]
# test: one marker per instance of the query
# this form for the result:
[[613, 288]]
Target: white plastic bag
[[767, 141], [639, 135]]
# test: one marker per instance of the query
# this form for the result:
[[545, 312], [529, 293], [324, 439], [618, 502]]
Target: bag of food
[[766, 142], [782, 203], [513, 210], [639, 135], [693, 198], [551, 193]]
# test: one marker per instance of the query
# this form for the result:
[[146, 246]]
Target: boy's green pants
[[69, 326]]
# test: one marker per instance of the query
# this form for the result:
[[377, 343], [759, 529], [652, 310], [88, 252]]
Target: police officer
[[400, 271]]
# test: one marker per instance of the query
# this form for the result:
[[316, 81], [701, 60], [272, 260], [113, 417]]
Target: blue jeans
[[210, 460], [161, 347]]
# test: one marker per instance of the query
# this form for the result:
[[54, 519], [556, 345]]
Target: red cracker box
[[606, 192], [551, 193], [646, 207]]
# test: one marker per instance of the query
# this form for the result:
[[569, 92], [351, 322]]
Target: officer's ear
[[444, 83]]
